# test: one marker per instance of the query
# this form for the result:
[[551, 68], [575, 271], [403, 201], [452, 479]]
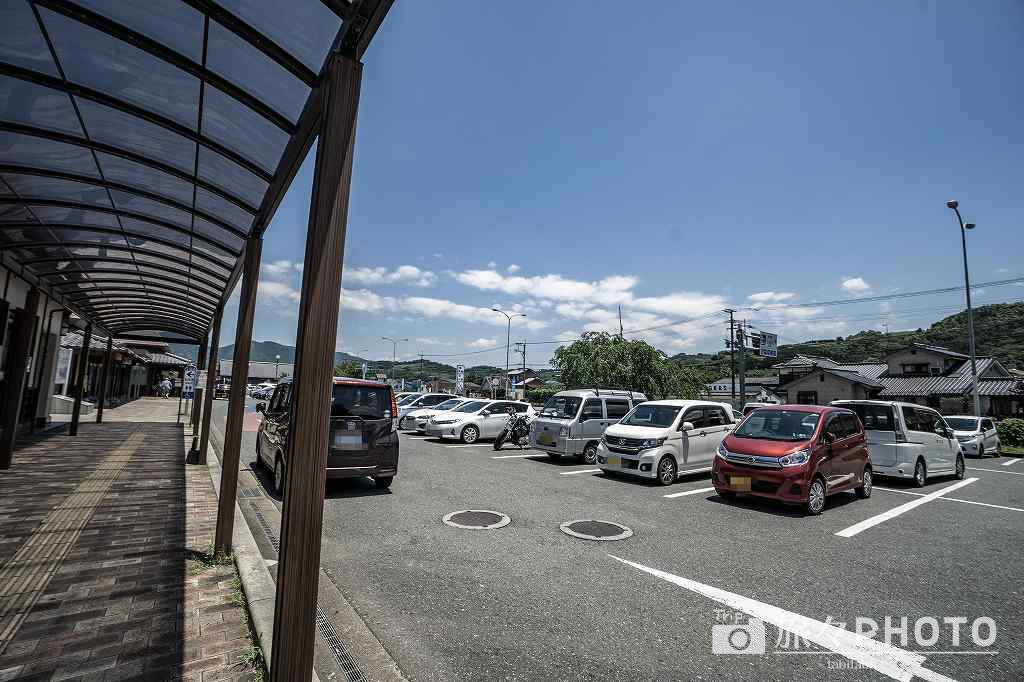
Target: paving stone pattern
[[104, 571]]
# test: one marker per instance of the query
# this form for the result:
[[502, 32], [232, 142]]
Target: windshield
[[448, 404], [962, 423], [660, 416], [368, 402], [471, 407], [409, 398], [561, 407], [788, 425]]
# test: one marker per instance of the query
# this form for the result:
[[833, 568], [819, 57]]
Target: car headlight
[[652, 443], [564, 431], [722, 452], [795, 459], [443, 421]]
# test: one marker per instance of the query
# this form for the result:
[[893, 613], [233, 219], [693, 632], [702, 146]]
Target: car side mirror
[[686, 426], [485, 413], [828, 438], [261, 407]]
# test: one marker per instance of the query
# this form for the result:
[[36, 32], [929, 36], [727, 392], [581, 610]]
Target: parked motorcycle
[[517, 430]]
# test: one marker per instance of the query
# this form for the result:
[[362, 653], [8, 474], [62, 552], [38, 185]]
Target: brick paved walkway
[[105, 573]]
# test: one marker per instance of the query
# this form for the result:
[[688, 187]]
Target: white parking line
[[471, 445], [952, 499], [889, 660], [515, 456], [1012, 461], [687, 472], [902, 509], [997, 471], [698, 491], [579, 471]]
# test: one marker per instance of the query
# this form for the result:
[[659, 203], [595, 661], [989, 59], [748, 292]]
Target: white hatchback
[[475, 420], [907, 440], [978, 437], [416, 420], [663, 439]]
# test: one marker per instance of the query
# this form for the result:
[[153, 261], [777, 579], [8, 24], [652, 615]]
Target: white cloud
[[492, 265], [681, 303], [513, 269], [567, 336], [1002, 271], [482, 343], [277, 291], [771, 296], [437, 307], [610, 290], [367, 301], [855, 285], [280, 268], [403, 274], [432, 341]]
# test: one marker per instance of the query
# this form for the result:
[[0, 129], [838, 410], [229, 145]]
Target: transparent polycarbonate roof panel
[[169, 22], [102, 62], [242, 130], [135, 226], [43, 187], [225, 210], [37, 106], [208, 229], [126, 201], [126, 172], [132, 134], [108, 238], [73, 216], [256, 73], [230, 177], [38, 152], [23, 43], [308, 32], [13, 213]]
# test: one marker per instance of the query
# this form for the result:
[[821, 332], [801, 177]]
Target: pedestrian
[[165, 388]]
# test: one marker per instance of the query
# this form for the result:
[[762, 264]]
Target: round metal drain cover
[[477, 519], [590, 529]]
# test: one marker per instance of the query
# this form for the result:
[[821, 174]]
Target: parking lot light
[[954, 205], [508, 340]]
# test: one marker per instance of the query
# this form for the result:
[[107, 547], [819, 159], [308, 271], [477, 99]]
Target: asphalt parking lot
[[527, 601]]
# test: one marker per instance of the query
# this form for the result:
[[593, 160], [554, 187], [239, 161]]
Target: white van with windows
[[664, 439], [906, 440], [572, 422]]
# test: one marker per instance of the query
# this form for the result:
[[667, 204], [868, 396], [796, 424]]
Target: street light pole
[[508, 341], [277, 368], [394, 353], [970, 312]]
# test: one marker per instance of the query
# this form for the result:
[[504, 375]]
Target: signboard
[[381, 377], [188, 388], [460, 379], [63, 367], [496, 381], [769, 346]]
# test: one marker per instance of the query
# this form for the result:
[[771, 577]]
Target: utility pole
[[620, 323], [732, 349], [421, 366], [521, 349], [741, 339]]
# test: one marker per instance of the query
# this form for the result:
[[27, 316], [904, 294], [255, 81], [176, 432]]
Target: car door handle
[[703, 433]]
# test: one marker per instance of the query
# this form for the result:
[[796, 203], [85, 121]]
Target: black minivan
[[363, 436]]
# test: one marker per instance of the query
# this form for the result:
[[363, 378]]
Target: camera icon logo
[[738, 638]]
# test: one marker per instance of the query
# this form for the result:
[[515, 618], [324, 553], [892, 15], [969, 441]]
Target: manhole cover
[[589, 529], [477, 519]]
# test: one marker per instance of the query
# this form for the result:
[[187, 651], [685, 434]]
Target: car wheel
[[725, 494], [960, 467], [470, 434], [667, 471], [864, 490], [815, 497], [999, 449], [383, 482], [279, 476], [589, 455], [920, 474]]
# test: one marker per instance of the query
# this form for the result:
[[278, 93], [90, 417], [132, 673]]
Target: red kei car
[[794, 453]]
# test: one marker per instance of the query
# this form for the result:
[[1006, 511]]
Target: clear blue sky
[[563, 158]]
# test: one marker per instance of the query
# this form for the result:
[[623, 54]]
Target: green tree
[[348, 369], [605, 361]]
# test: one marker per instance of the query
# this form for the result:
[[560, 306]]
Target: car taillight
[[394, 413]]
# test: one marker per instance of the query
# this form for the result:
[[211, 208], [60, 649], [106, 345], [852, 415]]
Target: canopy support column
[[80, 372], [20, 351], [302, 515], [104, 378], [211, 380], [236, 399]]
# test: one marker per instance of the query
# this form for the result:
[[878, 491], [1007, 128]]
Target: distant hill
[[998, 332]]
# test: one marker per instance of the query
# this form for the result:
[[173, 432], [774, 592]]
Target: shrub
[[1011, 432]]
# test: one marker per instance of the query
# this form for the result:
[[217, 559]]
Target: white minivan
[[571, 423], [906, 440], [664, 439]]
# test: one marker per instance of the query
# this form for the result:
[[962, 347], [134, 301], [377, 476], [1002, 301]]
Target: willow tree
[[603, 360]]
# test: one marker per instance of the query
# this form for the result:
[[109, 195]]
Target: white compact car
[[978, 437], [416, 420], [907, 440], [663, 439], [475, 420], [420, 402]]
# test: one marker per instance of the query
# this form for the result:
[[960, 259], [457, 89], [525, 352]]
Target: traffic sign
[[188, 387], [460, 379], [769, 346]]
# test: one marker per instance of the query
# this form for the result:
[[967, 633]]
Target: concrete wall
[[829, 389]]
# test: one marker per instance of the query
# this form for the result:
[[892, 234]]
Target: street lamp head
[[953, 203], [968, 226], [496, 310]]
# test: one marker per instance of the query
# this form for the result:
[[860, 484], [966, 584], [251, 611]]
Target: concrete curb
[[260, 590]]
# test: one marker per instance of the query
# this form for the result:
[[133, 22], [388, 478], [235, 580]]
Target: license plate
[[545, 439], [346, 442], [742, 483], [615, 461]]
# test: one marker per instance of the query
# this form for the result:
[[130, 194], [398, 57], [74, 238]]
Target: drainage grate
[[476, 519], [591, 529], [249, 492], [343, 658]]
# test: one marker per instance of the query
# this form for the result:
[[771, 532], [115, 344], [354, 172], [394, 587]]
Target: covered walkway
[[108, 573]]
